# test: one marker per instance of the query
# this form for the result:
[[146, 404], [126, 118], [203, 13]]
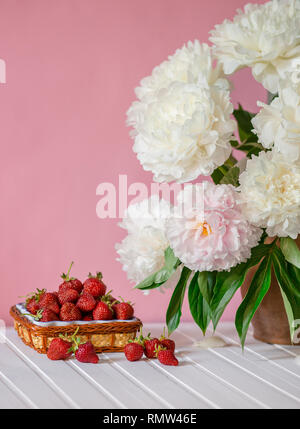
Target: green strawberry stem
[[66, 277]]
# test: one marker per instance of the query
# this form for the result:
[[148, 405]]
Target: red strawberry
[[133, 351], [59, 349], [32, 306], [94, 285], [123, 310], [70, 312], [32, 302], [67, 295], [88, 317], [77, 285], [86, 302], [45, 315], [151, 344], [103, 311], [86, 353], [49, 301], [167, 342], [70, 282], [166, 357]]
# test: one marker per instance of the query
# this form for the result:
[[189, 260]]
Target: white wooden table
[[264, 376]]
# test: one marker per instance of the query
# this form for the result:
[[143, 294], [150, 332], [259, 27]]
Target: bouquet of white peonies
[[249, 213]]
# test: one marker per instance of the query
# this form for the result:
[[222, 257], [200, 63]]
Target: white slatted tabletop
[[264, 376]]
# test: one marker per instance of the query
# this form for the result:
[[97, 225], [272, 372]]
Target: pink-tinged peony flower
[[208, 232]]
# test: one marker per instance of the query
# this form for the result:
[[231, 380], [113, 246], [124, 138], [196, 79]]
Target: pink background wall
[[72, 66]]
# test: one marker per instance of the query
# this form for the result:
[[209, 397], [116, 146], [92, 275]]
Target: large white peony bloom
[[264, 37], [193, 63], [208, 232], [183, 132], [270, 194], [278, 124], [142, 251]]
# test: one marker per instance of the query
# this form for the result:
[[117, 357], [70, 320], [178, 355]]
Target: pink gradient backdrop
[[72, 66]]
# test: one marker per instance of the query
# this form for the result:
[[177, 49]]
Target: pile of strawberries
[[62, 348], [162, 349], [75, 300]]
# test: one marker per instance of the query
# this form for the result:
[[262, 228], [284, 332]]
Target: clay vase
[[270, 322]]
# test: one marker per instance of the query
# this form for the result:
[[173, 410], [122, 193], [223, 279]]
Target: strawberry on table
[[86, 302], [49, 301], [167, 342], [103, 311], [151, 345], [69, 312], [67, 295], [70, 282], [86, 353], [166, 357], [59, 349], [94, 285], [123, 310], [133, 351]]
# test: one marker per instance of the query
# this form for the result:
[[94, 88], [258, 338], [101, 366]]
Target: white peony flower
[[142, 251], [270, 194], [207, 231], [193, 63], [278, 124], [264, 37], [183, 132]]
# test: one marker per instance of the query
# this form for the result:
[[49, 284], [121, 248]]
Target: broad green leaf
[[232, 177], [222, 171], [160, 277], [258, 288], [170, 259], [198, 305], [288, 280], [245, 126], [251, 148], [228, 282], [293, 272], [290, 250], [206, 283], [234, 143], [174, 310]]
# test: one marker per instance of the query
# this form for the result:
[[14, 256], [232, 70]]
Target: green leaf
[[245, 126], [206, 283], [234, 143], [174, 310], [290, 289], [223, 170], [290, 250], [232, 177], [160, 277], [198, 305], [251, 148], [228, 282], [258, 288]]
